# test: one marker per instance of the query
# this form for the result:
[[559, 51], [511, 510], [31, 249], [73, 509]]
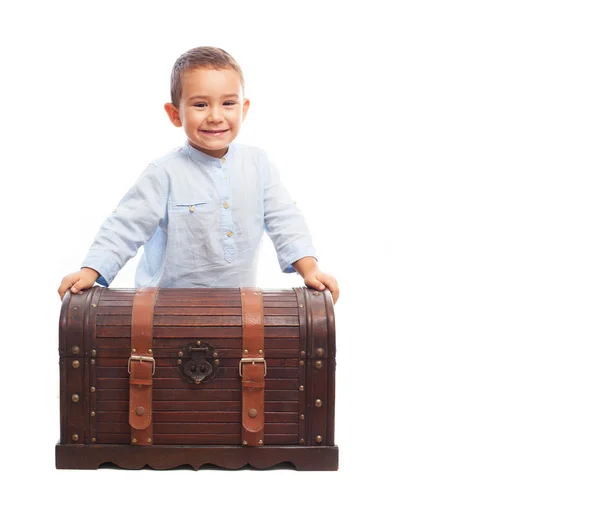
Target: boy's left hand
[[321, 280]]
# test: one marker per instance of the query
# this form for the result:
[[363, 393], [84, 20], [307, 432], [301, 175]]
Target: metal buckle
[[142, 359], [252, 360]]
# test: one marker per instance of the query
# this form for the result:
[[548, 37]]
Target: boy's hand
[[77, 281], [315, 278]]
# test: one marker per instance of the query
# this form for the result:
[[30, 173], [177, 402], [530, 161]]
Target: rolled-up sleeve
[[284, 222], [131, 224]]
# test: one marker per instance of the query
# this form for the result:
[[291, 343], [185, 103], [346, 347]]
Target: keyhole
[[202, 368], [193, 368]]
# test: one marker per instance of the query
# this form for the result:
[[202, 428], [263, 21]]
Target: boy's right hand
[[77, 281]]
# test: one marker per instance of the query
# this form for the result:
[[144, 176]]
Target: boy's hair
[[201, 57]]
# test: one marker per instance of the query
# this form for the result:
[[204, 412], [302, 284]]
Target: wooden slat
[[203, 395], [200, 406], [180, 383], [111, 438], [198, 417], [197, 320]]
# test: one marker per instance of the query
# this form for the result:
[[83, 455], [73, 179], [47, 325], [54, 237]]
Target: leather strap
[[253, 367], [141, 366]]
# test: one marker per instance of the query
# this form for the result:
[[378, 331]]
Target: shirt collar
[[198, 155]]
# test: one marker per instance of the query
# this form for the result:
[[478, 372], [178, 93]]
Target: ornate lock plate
[[199, 362]]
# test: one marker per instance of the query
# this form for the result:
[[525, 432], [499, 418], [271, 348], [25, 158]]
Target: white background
[[446, 157]]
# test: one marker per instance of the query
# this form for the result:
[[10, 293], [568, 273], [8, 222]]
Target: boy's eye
[[200, 105], [229, 103]]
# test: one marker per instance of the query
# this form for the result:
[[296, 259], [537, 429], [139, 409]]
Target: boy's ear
[[245, 107], [173, 114]]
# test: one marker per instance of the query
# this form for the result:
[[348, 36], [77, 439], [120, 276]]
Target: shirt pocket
[[194, 218]]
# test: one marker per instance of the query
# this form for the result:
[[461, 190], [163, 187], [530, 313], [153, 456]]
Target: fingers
[[322, 281], [66, 283], [332, 285]]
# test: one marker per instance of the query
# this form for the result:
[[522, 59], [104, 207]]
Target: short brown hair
[[201, 57]]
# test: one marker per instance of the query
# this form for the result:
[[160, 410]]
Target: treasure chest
[[164, 377]]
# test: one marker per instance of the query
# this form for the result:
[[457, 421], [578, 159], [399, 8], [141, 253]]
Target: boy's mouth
[[214, 132]]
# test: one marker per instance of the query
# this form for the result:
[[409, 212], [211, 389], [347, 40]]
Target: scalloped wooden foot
[[304, 458]]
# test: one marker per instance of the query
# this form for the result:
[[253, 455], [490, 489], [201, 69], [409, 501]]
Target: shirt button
[[223, 160], [192, 208], [225, 205], [229, 234]]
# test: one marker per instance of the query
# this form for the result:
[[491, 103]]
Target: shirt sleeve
[[284, 222], [131, 224]]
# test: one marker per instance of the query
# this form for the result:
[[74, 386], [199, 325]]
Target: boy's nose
[[215, 115]]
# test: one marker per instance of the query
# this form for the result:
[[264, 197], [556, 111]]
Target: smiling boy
[[200, 211]]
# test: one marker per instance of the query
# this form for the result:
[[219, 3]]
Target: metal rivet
[[318, 438], [260, 442], [75, 364], [75, 350], [149, 440], [178, 362], [93, 439], [198, 342], [140, 410], [301, 441], [260, 351], [75, 437], [93, 352], [252, 412], [215, 355], [301, 388], [93, 414], [318, 364], [302, 417], [318, 403], [320, 351], [245, 351], [303, 353], [92, 389], [93, 362], [217, 362], [197, 382], [94, 305], [134, 440], [301, 305], [301, 362], [132, 350], [75, 398], [149, 351], [316, 293], [244, 442]]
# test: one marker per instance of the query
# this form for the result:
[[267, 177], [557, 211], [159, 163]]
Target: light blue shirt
[[201, 221]]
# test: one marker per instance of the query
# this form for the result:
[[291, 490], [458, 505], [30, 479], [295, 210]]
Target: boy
[[201, 209]]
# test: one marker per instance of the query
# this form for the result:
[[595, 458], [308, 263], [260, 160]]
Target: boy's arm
[[287, 228], [131, 224]]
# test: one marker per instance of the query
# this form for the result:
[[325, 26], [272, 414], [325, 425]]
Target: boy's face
[[211, 109]]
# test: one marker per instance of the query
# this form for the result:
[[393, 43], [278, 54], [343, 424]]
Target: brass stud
[[75, 437], [198, 342], [134, 440], [215, 355], [301, 306], [320, 351], [302, 417], [132, 350], [149, 440], [316, 293], [318, 403], [94, 305], [149, 351], [92, 389], [93, 439], [245, 443], [318, 439], [318, 364], [252, 412], [245, 351], [94, 352], [140, 410], [301, 363], [180, 353], [75, 398], [301, 441], [93, 362], [75, 349], [260, 442], [197, 382], [301, 388], [260, 351], [178, 362], [75, 364], [93, 414], [217, 362], [303, 353]]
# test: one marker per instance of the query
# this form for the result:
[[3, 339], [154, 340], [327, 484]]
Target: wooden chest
[[169, 377]]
